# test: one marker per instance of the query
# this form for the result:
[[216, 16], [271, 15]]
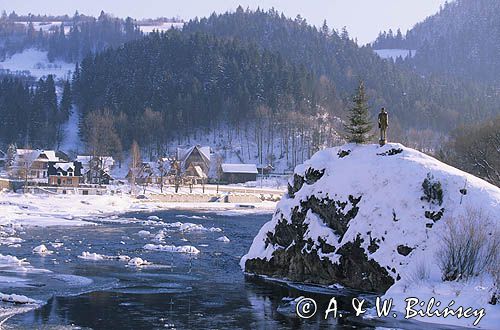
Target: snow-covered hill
[[373, 218], [395, 53], [35, 63]]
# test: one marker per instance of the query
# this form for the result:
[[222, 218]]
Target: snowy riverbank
[[72, 210]]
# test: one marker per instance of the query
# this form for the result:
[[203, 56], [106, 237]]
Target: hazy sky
[[363, 18]]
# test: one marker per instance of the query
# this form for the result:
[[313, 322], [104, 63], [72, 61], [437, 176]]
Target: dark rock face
[[343, 153], [298, 182], [298, 258], [433, 215], [404, 250], [391, 152], [313, 175], [354, 270]]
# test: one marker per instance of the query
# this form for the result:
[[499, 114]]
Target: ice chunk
[[42, 250], [224, 239], [16, 299], [172, 248], [138, 262], [143, 233]]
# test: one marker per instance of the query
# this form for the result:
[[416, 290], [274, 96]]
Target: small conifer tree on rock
[[359, 124]]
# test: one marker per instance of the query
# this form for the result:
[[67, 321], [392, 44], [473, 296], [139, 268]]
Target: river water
[[176, 291]]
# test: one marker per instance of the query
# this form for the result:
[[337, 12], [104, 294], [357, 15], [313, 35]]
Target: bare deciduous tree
[[470, 246], [476, 149]]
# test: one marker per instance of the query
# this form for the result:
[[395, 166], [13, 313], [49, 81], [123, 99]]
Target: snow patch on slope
[[35, 63]]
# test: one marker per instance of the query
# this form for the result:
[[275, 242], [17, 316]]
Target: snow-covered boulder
[[361, 215]]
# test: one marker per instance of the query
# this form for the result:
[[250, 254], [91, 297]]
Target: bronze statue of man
[[383, 123]]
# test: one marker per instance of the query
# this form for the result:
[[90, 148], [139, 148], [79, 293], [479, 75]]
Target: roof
[[183, 154], [108, 160], [50, 154], [240, 168], [64, 166]]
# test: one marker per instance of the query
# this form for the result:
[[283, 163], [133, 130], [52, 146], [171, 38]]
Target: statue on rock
[[383, 123]]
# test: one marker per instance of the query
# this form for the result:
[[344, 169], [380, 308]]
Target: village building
[[265, 169], [33, 164], [153, 172], [239, 173], [194, 174], [64, 174], [96, 170], [195, 162]]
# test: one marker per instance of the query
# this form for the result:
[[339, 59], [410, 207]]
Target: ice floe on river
[[172, 248], [42, 250], [99, 257]]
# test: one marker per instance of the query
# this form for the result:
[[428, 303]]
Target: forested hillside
[[71, 40], [177, 83], [414, 101], [270, 81], [462, 39], [30, 114]]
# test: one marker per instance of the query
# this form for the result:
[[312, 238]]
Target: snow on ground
[[46, 26], [161, 27], [274, 182], [73, 210], [72, 143], [392, 214], [395, 53], [57, 210], [35, 63]]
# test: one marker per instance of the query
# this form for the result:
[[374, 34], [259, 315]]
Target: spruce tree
[[66, 101], [359, 125]]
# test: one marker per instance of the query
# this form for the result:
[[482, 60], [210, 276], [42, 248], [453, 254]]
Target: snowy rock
[[153, 217], [360, 215]]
